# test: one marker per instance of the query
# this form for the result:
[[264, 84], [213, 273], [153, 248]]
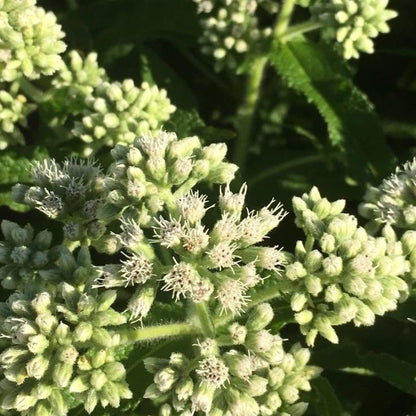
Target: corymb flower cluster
[[353, 23], [341, 273], [231, 29], [245, 371], [69, 322]]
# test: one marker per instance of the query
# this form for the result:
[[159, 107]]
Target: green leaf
[[324, 399], [6, 200], [400, 374], [317, 72]]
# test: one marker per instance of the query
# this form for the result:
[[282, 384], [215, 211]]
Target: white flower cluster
[[353, 23], [30, 40], [394, 201], [70, 193], [118, 112], [230, 30], [263, 380], [341, 273]]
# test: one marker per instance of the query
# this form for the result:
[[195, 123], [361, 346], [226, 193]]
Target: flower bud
[[260, 341], [327, 243], [37, 367], [98, 379], [295, 271], [184, 389], [303, 317], [238, 333], [259, 317], [298, 301], [62, 373], [165, 379], [202, 397], [239, 364], [332, 265], [313, 285], [313, 261]]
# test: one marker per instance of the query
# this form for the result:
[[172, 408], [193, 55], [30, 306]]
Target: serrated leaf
[[324, 399], [317, 72]]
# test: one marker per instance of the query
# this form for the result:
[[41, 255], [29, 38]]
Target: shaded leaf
[[324, 399], [317, 72]]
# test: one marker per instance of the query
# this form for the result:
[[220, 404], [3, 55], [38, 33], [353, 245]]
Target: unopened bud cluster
[[118, 112], [353, 23], [58, 349], [341, 273], [13, 111], [71, 85], [230, 29], [24, 256], [30, 43], [394, 201], [259, 378]]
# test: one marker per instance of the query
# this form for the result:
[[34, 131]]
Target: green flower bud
[[82, 332], [313, 285], [289, 394], [184, 389], [298, 301], [37, 367], [98, 379], [332, 265], [259, 342], [323, 325], [90, 401], [295, 271], [239, 364], [327, 243], [62, 373], [303, 317], [37, 344], [165, 379], [102, 337], [238, 333], [313, 261], [202, 397], [273, 401], [80, 384], [259, 317]]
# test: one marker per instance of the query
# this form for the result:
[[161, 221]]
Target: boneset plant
[[156, 289], [64, 334]]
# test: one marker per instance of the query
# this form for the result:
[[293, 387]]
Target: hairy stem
[[284, 18], [131, 336], [246, 113], [204, 319]]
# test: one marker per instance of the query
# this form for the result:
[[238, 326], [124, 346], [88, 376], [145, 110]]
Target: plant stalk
[[131, 336], [204, 319], [246, 113]]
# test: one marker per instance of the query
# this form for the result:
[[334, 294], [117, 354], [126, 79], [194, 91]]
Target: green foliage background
[[356, 123]]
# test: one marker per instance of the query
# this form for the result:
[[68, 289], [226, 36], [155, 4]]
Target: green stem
[[204, 319], [284, 18], [300, 28], [286, 166], [245, 114], [131, 336], [35, 94]]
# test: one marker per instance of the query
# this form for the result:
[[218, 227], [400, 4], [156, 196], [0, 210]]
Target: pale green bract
[[353, 23], [30, 42]]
